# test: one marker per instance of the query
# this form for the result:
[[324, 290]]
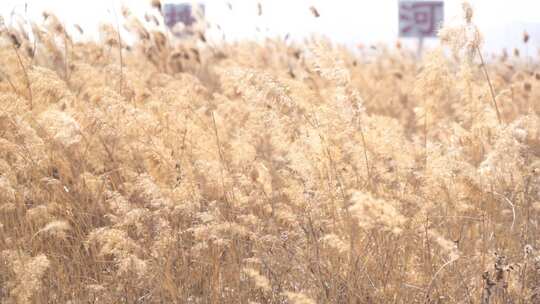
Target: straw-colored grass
[[188, 172]]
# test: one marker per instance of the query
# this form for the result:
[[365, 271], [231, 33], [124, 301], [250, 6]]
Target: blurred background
[[354, 23]]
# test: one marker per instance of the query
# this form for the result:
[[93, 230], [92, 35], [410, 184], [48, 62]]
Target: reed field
[[185, 171]]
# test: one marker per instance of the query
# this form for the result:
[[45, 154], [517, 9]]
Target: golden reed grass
[[186, 172]]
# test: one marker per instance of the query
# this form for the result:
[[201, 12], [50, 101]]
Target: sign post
[[420, 19]]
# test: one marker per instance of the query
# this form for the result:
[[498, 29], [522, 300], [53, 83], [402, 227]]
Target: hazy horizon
[[362, 22]]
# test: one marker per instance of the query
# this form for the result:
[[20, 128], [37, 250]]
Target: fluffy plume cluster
[[464, 35], [181, 171], [25, 283]]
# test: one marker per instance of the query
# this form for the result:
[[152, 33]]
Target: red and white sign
[[420, 18]]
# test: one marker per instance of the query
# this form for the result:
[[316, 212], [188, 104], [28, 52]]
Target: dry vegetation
[[185, 172]]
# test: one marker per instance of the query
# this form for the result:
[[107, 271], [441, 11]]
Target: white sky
[[349, 21]]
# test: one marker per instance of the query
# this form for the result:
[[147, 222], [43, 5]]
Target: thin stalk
[[66, 68], [223, 164], [432, 282], [425, 134], [11, 83], [25, 72], [492, 91], [119, 51], [368, 171]]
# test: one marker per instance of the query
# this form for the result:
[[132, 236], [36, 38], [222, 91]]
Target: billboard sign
[[420, 19], [180, 13]]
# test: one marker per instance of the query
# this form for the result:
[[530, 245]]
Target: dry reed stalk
[[488, 79]]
